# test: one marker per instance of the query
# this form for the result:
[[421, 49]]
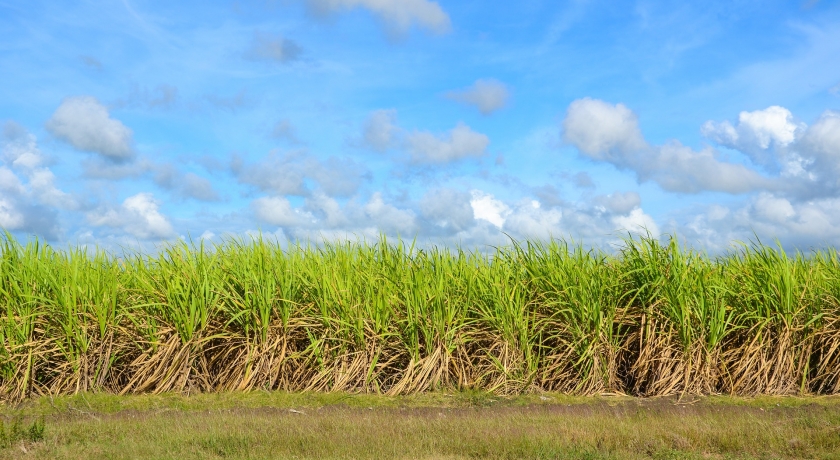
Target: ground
[[261, 425]]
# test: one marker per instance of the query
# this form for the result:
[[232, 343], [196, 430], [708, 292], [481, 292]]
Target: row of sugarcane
[[649, 318]]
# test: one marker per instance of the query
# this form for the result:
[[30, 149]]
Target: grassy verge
[[433, 425]]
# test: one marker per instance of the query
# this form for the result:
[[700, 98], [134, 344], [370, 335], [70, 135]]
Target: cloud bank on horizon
[[126, 124]]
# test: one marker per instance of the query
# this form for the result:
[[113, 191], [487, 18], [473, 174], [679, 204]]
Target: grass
[[431, 425], [651, 319]]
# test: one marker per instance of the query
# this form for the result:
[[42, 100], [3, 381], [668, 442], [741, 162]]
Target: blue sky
[[131, 122]]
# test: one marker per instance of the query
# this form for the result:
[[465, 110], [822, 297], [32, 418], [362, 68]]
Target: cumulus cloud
[[17, 214], [187, 185], [381, 133], [139, 215], [273, 48], [278, 211], [601, 220], [460, 142], [9, 181], [582, 179], [802, 225], [530, 220], [380, 130], [20, 147], [488, 208], [389, 218], [43, 188], [636, 221], [610, 133], [327, 210], [397, 15], [166, 175], [821, 142], [487, 95], [10, 217], [288, 174], [447, 215], [323, 217], [198, 187], [807, 158], [756, 133], [21, 153], [603, 131], [448, 209], [619, 202], [85, 123]]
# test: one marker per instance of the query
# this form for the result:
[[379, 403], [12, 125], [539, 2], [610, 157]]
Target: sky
[[132, 123]]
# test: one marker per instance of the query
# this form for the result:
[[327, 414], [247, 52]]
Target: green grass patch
[[440, 426]]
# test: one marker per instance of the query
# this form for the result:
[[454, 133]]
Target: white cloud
[[529, 220], [389, 218], [21, 152], [323, 217], [636, 221], [86, 124], [380, 130], [821, 142], [610, 133], [10, 217], [20, 147], [772, 209], [139, 215], [187, 185], [619, 202], [602, 131], [398, 15], [381, 133], [9, 181], [448, 209], [486, 207], [287, 174], [461, 142], [42, 184], [278, 211], [328, 210], [756, 133], [487, 95], [802, 225], [198, 187], [678, 168], [807, 158]]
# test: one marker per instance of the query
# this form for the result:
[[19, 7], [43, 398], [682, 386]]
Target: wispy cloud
[[274, 49], [397, 15], [487, 95]]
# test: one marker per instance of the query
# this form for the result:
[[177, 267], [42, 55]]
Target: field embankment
[[651, 319]]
